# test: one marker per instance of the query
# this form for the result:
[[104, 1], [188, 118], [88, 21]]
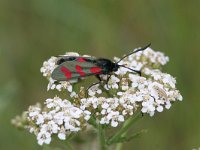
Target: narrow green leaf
[[127, 139]]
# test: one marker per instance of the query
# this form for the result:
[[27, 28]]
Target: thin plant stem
[[70, 137], [92, 121], [69, 146], [102, 139], [119, 145]]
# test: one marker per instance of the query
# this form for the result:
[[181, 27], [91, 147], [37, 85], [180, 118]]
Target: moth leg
[[56, 82], [108, 80], [98, 77], [93, 85]]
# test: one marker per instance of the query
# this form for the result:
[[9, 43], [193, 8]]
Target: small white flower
[[61, 136], [179, 97], [105, 105], [48, 67], [53, 127], [40, 119], [113, 82], [121, 118], [44, 137], [148, 106], [159, 108], [121, 71], [169, 80], [94, 90], [58, 118], [75, 112], [71, 54], [168, 105], [104, 120], [120, 93], [103, 111], [114, 123], [59, 87], [34, 111], [87, 115], [62, 133]]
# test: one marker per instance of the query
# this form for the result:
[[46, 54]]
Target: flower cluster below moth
[[111, 103]]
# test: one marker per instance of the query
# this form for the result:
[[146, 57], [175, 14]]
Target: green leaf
[[127, 139]]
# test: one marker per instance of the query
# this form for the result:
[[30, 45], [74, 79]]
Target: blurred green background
[[33, 30]]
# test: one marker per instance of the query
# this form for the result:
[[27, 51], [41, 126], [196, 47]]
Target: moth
[[75, 67]]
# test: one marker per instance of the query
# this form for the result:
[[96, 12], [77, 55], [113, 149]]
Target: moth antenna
[[140, 49], [137, 71]]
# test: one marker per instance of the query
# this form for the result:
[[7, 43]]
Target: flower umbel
[[110, 103]]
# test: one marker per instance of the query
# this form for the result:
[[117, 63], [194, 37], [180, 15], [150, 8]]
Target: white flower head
[[117, 97]]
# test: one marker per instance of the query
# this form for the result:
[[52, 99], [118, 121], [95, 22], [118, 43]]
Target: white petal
[[159, 108], [62, 136], [114, 123]]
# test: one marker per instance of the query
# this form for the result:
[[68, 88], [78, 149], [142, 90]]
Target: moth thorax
[[115, 67]]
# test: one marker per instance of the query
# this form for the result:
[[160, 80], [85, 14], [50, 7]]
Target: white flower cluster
[[147, 58], [48, 67], [59, 117], [109, 102]]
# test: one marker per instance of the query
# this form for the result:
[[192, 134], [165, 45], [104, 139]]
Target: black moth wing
[[63, 58], [74, 68]]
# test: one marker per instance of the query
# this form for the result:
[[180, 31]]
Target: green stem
[[92, 121], [71, 136], [69, 146], [119, 145], [102, 138], [125, 128]]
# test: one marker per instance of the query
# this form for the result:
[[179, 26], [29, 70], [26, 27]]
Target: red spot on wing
[[66, 71], [95, 70], [81, 59], [79, 69]]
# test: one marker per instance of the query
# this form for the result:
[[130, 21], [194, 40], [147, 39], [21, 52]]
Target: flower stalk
[[102, 138]]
